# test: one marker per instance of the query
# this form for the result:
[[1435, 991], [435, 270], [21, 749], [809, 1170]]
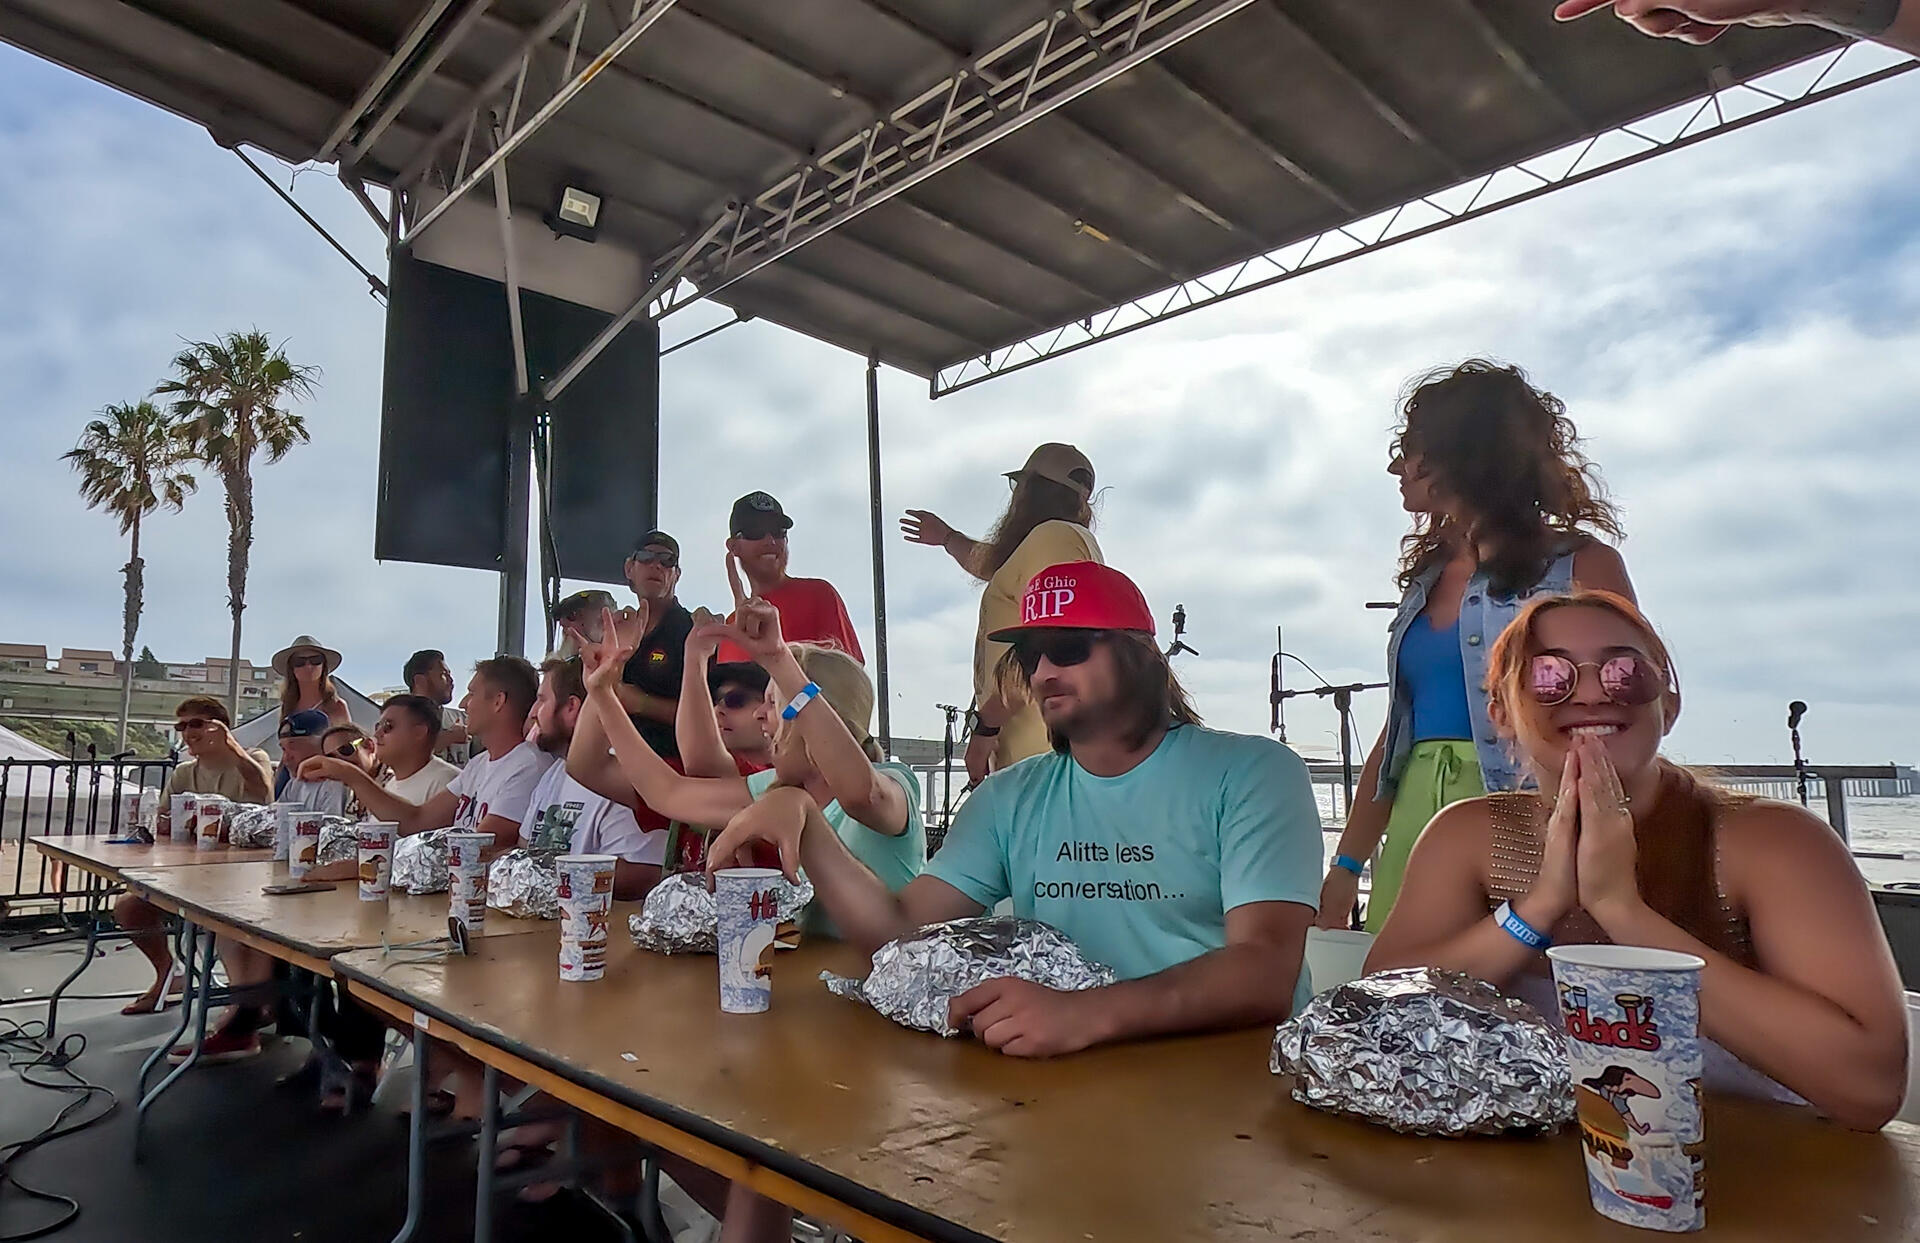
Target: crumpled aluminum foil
[[420, 863], [1427, 1052], [914, 978], [681, 917], [339, 841], [252, 825], [523, 883]]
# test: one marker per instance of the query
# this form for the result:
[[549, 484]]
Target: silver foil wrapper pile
[[681, 917], [914, 978], [252, 826], [1428, 1052], [339, 841], [523, 883], [420, 863]]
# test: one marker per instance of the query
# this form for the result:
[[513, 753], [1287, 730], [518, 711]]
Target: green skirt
[[1438, 772]]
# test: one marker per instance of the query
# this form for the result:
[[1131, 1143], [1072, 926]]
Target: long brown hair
[[1493, 443], [290, 688], [1147, 683], [1675, 858], [1035, 500]]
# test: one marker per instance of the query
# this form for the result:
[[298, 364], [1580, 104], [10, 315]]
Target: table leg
[[86, 959], [202, 992], [652, 1222], [416, 1141], [489, 1143], [184, 955]]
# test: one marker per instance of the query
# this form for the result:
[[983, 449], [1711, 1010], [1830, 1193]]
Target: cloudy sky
[[1735, 327]]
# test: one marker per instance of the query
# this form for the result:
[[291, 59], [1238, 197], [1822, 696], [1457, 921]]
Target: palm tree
[[230, 402], [131, 463]]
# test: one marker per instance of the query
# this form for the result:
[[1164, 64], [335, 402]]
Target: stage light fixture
[[578, 213]]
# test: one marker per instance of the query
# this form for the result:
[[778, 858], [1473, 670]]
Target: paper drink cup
[[181, 813], [283, 831], [1632, 1022], [376, 859], [303, 851], [584, 885], [748, 902], [467, 878], [210, 823]]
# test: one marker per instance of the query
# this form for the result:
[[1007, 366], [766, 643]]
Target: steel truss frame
[[1722, 110]]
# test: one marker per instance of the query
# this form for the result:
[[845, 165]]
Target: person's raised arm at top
[[703, 753], [1892, 22], [436, 813], [922, 526], [703, 801]]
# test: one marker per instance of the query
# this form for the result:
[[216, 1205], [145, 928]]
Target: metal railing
[[75, 797]]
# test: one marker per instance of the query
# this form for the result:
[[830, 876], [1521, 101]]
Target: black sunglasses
[[647, 556], [302, 662], [1062, 648], [778, 534], [733, 701]]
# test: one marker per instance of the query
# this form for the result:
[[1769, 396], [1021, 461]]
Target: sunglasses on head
[[1628, 679], [301, 662], [659, 557], [735, 700], [1062, 648]]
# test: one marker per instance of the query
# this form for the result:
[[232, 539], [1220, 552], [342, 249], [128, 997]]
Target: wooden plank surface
[[1187, 1139], [103, 858], [315, 925]]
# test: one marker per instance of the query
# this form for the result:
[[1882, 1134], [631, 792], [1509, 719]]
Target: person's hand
[[756, 623], [1338, 893], [1556, 889], [1024, 1019], [922, 526], [703, 641], [779, 816], [980, 752], [1606, 852], [325, 768], [1690, 21], [604, 660], [453, 736]]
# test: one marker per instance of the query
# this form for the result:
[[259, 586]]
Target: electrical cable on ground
[[16, 1038]]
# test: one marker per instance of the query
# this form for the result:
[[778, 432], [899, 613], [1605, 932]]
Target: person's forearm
[[383, 804], [1484, 951], [703, 753], [867, 913], [1367, 818], [1867, 19], [256, 783], [641, 703], [965, 550], [848, 771], [992, 711], [1851, 1073], [1904, 34], [1237, 986], [703, 801]]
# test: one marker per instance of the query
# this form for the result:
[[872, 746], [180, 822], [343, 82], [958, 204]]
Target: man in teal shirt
[[1186, 859]]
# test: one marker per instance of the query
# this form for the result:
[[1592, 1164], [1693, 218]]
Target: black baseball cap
[[742, 673], [757, 515], [657, 539]]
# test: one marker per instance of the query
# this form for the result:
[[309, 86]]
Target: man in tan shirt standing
[[216, 764], [1048, 521]]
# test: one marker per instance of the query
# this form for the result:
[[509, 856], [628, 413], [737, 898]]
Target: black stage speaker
[[444, 420]]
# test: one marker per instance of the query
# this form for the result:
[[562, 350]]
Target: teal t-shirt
[[895, 860], [1141, 869]]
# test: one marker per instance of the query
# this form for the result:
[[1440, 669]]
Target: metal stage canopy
[[960, 187]]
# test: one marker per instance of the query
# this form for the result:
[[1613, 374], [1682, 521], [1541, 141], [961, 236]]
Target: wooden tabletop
[[313, 926], [98, 855], [1187, 1139]]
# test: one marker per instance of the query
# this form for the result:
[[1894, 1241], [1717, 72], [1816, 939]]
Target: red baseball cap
[[1080, 595]]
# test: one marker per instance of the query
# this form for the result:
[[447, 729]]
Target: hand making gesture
[[755, 626], [604, 660]]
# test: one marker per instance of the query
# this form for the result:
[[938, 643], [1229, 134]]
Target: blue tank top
[[1436, 675]]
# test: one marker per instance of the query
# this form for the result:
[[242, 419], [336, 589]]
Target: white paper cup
[[210, 823], [584, 886], [303, 851], [467, 878], [1632, 1020], [749, 918], [375, 839], [180, 813], [283, 814]]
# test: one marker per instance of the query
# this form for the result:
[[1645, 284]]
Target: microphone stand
[[1795, 711], [952, 712], [1179, 645]]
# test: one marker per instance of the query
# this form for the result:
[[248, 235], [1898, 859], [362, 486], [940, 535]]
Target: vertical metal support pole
[[1836, 805], [416, 1141], [513, 561], [879, 552], [489, 1147]]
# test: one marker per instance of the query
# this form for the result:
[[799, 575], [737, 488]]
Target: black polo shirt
[[655, 667]]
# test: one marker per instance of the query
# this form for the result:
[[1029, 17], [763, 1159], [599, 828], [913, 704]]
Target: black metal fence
[[76, 797]]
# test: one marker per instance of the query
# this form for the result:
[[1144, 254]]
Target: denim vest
[[1483, 615]]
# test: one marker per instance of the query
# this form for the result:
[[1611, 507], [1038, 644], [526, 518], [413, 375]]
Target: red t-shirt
[[811, 611], [687, 847]]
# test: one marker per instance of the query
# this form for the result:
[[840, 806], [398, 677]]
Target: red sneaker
[[224, 1045]]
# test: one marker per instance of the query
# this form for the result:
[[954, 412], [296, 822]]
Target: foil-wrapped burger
[[420, 863], [680, 915], [1428, 1052], [524, 883], [252, 826], [914, 978], [339, 841]]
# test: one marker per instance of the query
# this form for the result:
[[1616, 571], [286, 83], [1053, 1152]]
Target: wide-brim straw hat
[[306, 640]]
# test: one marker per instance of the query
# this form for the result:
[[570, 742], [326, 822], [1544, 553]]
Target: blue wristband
[[1519, 929], [807, 695], [1350, 863]]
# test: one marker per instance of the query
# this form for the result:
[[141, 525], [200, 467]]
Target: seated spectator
[[580, 611], [426, 674], [829, 756], [492, 793], [650, 685], [301, 737], [215, 764], [811, 611], [1800, 998], [405, 738]]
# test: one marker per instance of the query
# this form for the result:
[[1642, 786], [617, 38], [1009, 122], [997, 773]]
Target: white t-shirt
[[502, 787], [434, 777], [326, 797], [455, 752], [568, 816]]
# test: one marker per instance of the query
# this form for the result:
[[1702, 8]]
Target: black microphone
[[1795, 711]]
